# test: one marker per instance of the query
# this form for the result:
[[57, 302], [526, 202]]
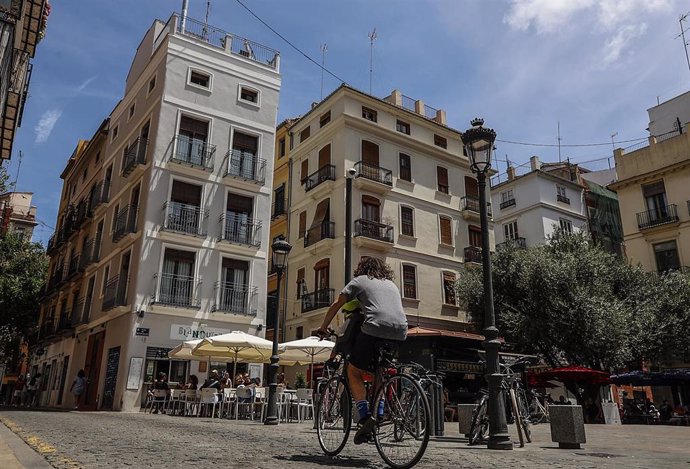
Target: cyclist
[[385, 324]]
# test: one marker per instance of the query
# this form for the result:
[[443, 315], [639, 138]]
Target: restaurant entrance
[[92, 368]]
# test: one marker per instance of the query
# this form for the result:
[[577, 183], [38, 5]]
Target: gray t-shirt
[[384, 316]]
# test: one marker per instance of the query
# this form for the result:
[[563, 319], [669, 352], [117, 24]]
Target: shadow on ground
[[327, 461]]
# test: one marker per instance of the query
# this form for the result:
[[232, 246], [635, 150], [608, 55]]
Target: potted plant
[[300, 381]]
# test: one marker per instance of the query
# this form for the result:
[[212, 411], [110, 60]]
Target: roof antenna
[[208, 12], [682, 34], [372, 38], [559, 141], [324, 49], [19, 166]]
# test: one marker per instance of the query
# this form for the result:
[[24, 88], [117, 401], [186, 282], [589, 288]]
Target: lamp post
[[281, 249], [350, 174], [479, 142]]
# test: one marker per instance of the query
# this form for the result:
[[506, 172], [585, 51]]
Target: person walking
[[78, 387]]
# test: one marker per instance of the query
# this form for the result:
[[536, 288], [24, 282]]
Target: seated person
[[213, 381], [160, 384], [192, 383]]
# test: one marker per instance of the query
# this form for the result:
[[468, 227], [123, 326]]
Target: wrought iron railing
[[125, 222], [194, 152], [471, 203], [82, 212], [279, 207], [185, 218], [324, 230], [64, 321], [519, 242], [176, 290], [99, 194], [473, 254], [59, 274], [90, 253], [136, 155], [659, 216], [82, 312], [241, 229], [323, 174], [115, 293], [318, 299], [374, 173], [235, 298], [507, 203], [374, 230], [562, 198], [52, 243], [74, 265], [47, 329], [251, 168]]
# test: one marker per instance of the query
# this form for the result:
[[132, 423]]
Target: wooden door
[[92, 368]]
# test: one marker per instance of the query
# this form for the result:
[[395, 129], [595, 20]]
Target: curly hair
[[373, 267]]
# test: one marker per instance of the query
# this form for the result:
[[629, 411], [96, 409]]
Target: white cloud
[[81, 87], [615, 45], [46, 124], [547, 16]]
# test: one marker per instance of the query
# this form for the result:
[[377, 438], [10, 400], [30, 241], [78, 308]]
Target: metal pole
[[348, 230], [498, 427], [271, 413]]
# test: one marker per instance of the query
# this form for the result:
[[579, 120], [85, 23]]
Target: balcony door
[[191, 145], [238, 226], [325, 156], [184, 208], [177, 278], [471, 187], [235, 278], [322, 282], [319, 229], [371, 209], [655, 200], [243, 156]]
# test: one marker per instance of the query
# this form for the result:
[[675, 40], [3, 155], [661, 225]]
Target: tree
[[574, 303]]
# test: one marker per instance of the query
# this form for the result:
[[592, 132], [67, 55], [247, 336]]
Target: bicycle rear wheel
[[480, 422], [334, 416], [402, 433]]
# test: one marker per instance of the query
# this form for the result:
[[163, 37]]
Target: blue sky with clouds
[[524, 65]]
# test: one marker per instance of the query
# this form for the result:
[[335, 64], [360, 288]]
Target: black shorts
[[365, 350]]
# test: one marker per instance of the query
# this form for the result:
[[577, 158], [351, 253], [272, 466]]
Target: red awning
[[428, 332], [575, 373]]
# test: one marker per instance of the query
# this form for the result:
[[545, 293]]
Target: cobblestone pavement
[[117, 440]]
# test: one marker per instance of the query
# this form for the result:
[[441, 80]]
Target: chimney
[[511, 173], [314, 104], [534, 163]]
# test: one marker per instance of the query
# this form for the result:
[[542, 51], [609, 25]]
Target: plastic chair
[[304, 403], [244, 398], [174, 400], [159, 400], [228, 402], [191, 402], [209, 397]]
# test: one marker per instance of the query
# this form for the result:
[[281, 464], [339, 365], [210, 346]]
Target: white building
[[164, 223], [529, 207]]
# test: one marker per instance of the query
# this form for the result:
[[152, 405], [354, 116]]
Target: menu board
[[136, 365], [111, 368]]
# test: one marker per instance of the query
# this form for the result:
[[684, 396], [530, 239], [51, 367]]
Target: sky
[[592, 67]]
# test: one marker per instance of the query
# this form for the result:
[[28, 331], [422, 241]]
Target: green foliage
[[23, 267], [300, 381], [574, 303], [4, 178]]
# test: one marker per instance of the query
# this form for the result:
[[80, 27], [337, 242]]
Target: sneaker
[[366, 427]]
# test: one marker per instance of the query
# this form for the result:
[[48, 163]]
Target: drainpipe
[[183, 20]]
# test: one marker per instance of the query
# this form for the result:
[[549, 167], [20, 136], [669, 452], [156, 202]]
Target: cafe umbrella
[[236, 345], [307, 351]]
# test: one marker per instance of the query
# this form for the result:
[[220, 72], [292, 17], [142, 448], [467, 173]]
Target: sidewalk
[[15, 454]]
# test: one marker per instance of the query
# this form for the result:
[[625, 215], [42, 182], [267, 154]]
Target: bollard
[[567, 426], [465, 412]]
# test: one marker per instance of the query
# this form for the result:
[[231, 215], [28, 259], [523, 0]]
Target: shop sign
[[183, 332], [452, 366], [143, 331]]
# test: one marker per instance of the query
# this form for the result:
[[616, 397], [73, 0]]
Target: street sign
[[143, 331]]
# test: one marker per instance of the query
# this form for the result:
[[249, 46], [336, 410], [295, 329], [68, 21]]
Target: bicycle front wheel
[[402, 433], [480, 422], [334, 416]]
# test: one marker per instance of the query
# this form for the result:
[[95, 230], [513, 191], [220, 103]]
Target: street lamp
[[350, 174], [281, 249], [479, 142]]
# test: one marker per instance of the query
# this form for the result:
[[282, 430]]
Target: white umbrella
[[237, 345], [184, 352], [307, 351]]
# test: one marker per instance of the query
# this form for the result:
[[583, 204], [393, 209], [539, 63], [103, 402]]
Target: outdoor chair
[[228, 403], [244, 400], [158, 399], [174, 401], [209, 397], [304, 403], [190, 402]]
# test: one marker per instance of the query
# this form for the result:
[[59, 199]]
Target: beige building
[[17, 215], [654, 194], [414, 203]]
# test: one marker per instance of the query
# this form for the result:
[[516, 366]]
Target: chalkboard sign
[[110, 378]]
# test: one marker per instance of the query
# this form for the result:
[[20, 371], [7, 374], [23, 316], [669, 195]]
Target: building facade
[[414, 204], [22, 26], [528, 208], [17, 215], [163, 229], [654, 193]]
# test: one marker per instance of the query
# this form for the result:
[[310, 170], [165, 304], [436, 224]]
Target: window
[[302, 224], [566, 225], [409, 282], [666, 255], [407, 221], [281, 147], [300, 282], [325, 119], [249, 95], [304, 171], [507, 199], [152, 84], [403, 127], [446, 230], [405, 167], [116, 129], [321, 275], [655, 199], [442, 179], [98, 157], [299, 332], [449, 288], [369, 114], [510, 231], [84, 174], [475, 236], [131, 111], [200, 79], [304, 134], [561, 194], [106, 274], [440, 141], [371, 208]]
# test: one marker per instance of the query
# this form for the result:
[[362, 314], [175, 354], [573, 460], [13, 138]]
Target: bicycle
[[539, 413], [398, 403]]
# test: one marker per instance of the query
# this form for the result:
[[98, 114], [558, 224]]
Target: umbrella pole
[[234, 368]]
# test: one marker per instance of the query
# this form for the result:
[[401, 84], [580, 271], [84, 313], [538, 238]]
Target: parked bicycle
[[403, 416], [538, 407]]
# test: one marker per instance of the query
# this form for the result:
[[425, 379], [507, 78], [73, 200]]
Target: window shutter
[[370, 153], [325, 156], [244, 142], [471, 187], [655, 188], [475, 234], [446, 231], [442, 177], [302, 224], [304, 170], [409, 282]]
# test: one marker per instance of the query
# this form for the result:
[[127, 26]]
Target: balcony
[[380, 233], [47, 329], [473, 255], [125, 222], [279, 208], [325, 173], [317, 300], [90, 253], [246, 167], [82, 312], [240, 229], [52, 243], [59, 275], [82, 212], [507, 203], [115, 292], [135, 156], [193, 152], [64, 322], [373, 178], [175, 290], [325, 230], [235, 299], [75, 266], [99, 194], [470, 207], [519, 242], [562, 198], [657, 217], [184, 218]]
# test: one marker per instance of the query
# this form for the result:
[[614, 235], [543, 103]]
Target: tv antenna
[[682, 35], [559, 141], [324, 49], [372, 38]]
